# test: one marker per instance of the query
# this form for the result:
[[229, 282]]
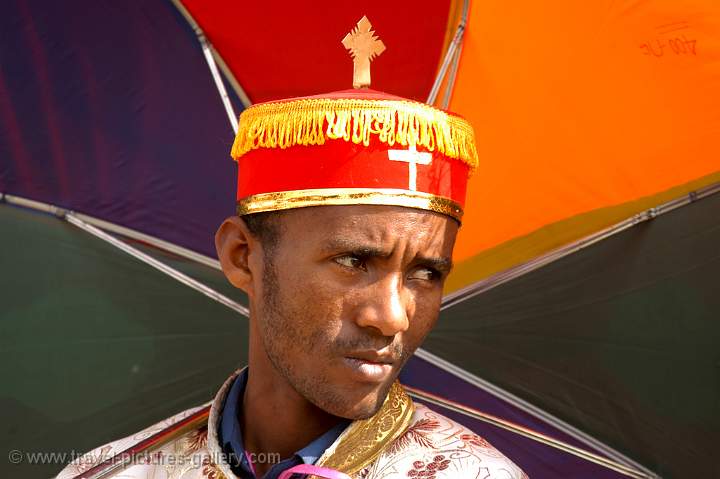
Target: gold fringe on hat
[[312, 121]]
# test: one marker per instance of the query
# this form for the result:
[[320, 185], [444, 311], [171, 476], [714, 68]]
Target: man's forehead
[[374, 225], [371, 217]]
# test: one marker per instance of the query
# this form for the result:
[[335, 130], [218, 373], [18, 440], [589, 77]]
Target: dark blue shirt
[[230, 436]]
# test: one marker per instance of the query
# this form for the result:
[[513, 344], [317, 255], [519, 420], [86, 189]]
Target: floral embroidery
[[210, 470], [476, 440], [425, 424], [156, 457], [362, 473], [432, 447], [428, 471], [197, 439], [419, 433], [92, 459]]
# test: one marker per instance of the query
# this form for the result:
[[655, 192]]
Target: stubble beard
[[282, 332]]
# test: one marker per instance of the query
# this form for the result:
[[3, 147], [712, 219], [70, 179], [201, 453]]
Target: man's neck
[[275, 418]]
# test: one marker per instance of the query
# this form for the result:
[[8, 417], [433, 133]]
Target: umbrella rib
[[529, 408], [526, 432], [503, 277], [211, 57], [114, 228], [72, 218], [207, 51], [450, 84], [450, 57]]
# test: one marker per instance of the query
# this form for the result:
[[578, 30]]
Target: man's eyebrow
[[354, 247], [364, 250], [439, 263]]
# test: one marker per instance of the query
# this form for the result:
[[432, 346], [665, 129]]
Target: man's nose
[[386, 307]]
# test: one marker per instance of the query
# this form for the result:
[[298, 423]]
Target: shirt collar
[[312, 452], [230, 435]]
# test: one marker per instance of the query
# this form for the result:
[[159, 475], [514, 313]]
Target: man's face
[[347, 295]]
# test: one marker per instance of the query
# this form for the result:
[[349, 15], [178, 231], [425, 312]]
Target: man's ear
[[234, 243]]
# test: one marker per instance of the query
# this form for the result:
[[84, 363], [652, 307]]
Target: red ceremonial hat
[[356, 146]]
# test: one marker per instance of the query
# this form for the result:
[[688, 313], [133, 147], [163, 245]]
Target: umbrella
[[583, 122]]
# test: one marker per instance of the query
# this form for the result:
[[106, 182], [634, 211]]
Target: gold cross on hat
[[364, 46]]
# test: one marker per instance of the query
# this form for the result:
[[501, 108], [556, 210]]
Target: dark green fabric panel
[[94, 344], [621, 339]]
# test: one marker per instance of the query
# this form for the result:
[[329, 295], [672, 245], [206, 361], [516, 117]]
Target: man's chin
[[342, 396], [358, 404], [362, 411]]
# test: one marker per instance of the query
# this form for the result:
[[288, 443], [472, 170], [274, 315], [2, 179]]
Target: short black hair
[[265, 227]]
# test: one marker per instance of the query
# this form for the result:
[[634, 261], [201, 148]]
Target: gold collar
[[364, 440], [359, 445]]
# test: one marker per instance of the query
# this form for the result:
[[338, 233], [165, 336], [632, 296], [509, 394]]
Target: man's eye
[[425, 274], [351, 262]]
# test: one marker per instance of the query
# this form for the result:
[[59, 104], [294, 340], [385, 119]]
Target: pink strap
[[249, 460], [325, 472]]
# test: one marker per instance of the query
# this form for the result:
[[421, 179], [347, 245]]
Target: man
[[348, 209]]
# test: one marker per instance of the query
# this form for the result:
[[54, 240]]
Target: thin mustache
[[393, 349]]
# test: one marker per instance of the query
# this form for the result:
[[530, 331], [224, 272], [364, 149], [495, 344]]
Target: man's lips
[[370, 365], [371, 356]]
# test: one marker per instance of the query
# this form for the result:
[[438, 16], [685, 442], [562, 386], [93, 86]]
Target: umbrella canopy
[[583, 120], [92, 336], [96, 345], [109, 110], [619, 339], [586, 114], [302, 41]]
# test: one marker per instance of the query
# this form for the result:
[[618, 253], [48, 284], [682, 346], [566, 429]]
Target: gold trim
[[364, 440], [313, 121], [283, 200]]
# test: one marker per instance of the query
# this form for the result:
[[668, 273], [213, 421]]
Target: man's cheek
[[419, 329]]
